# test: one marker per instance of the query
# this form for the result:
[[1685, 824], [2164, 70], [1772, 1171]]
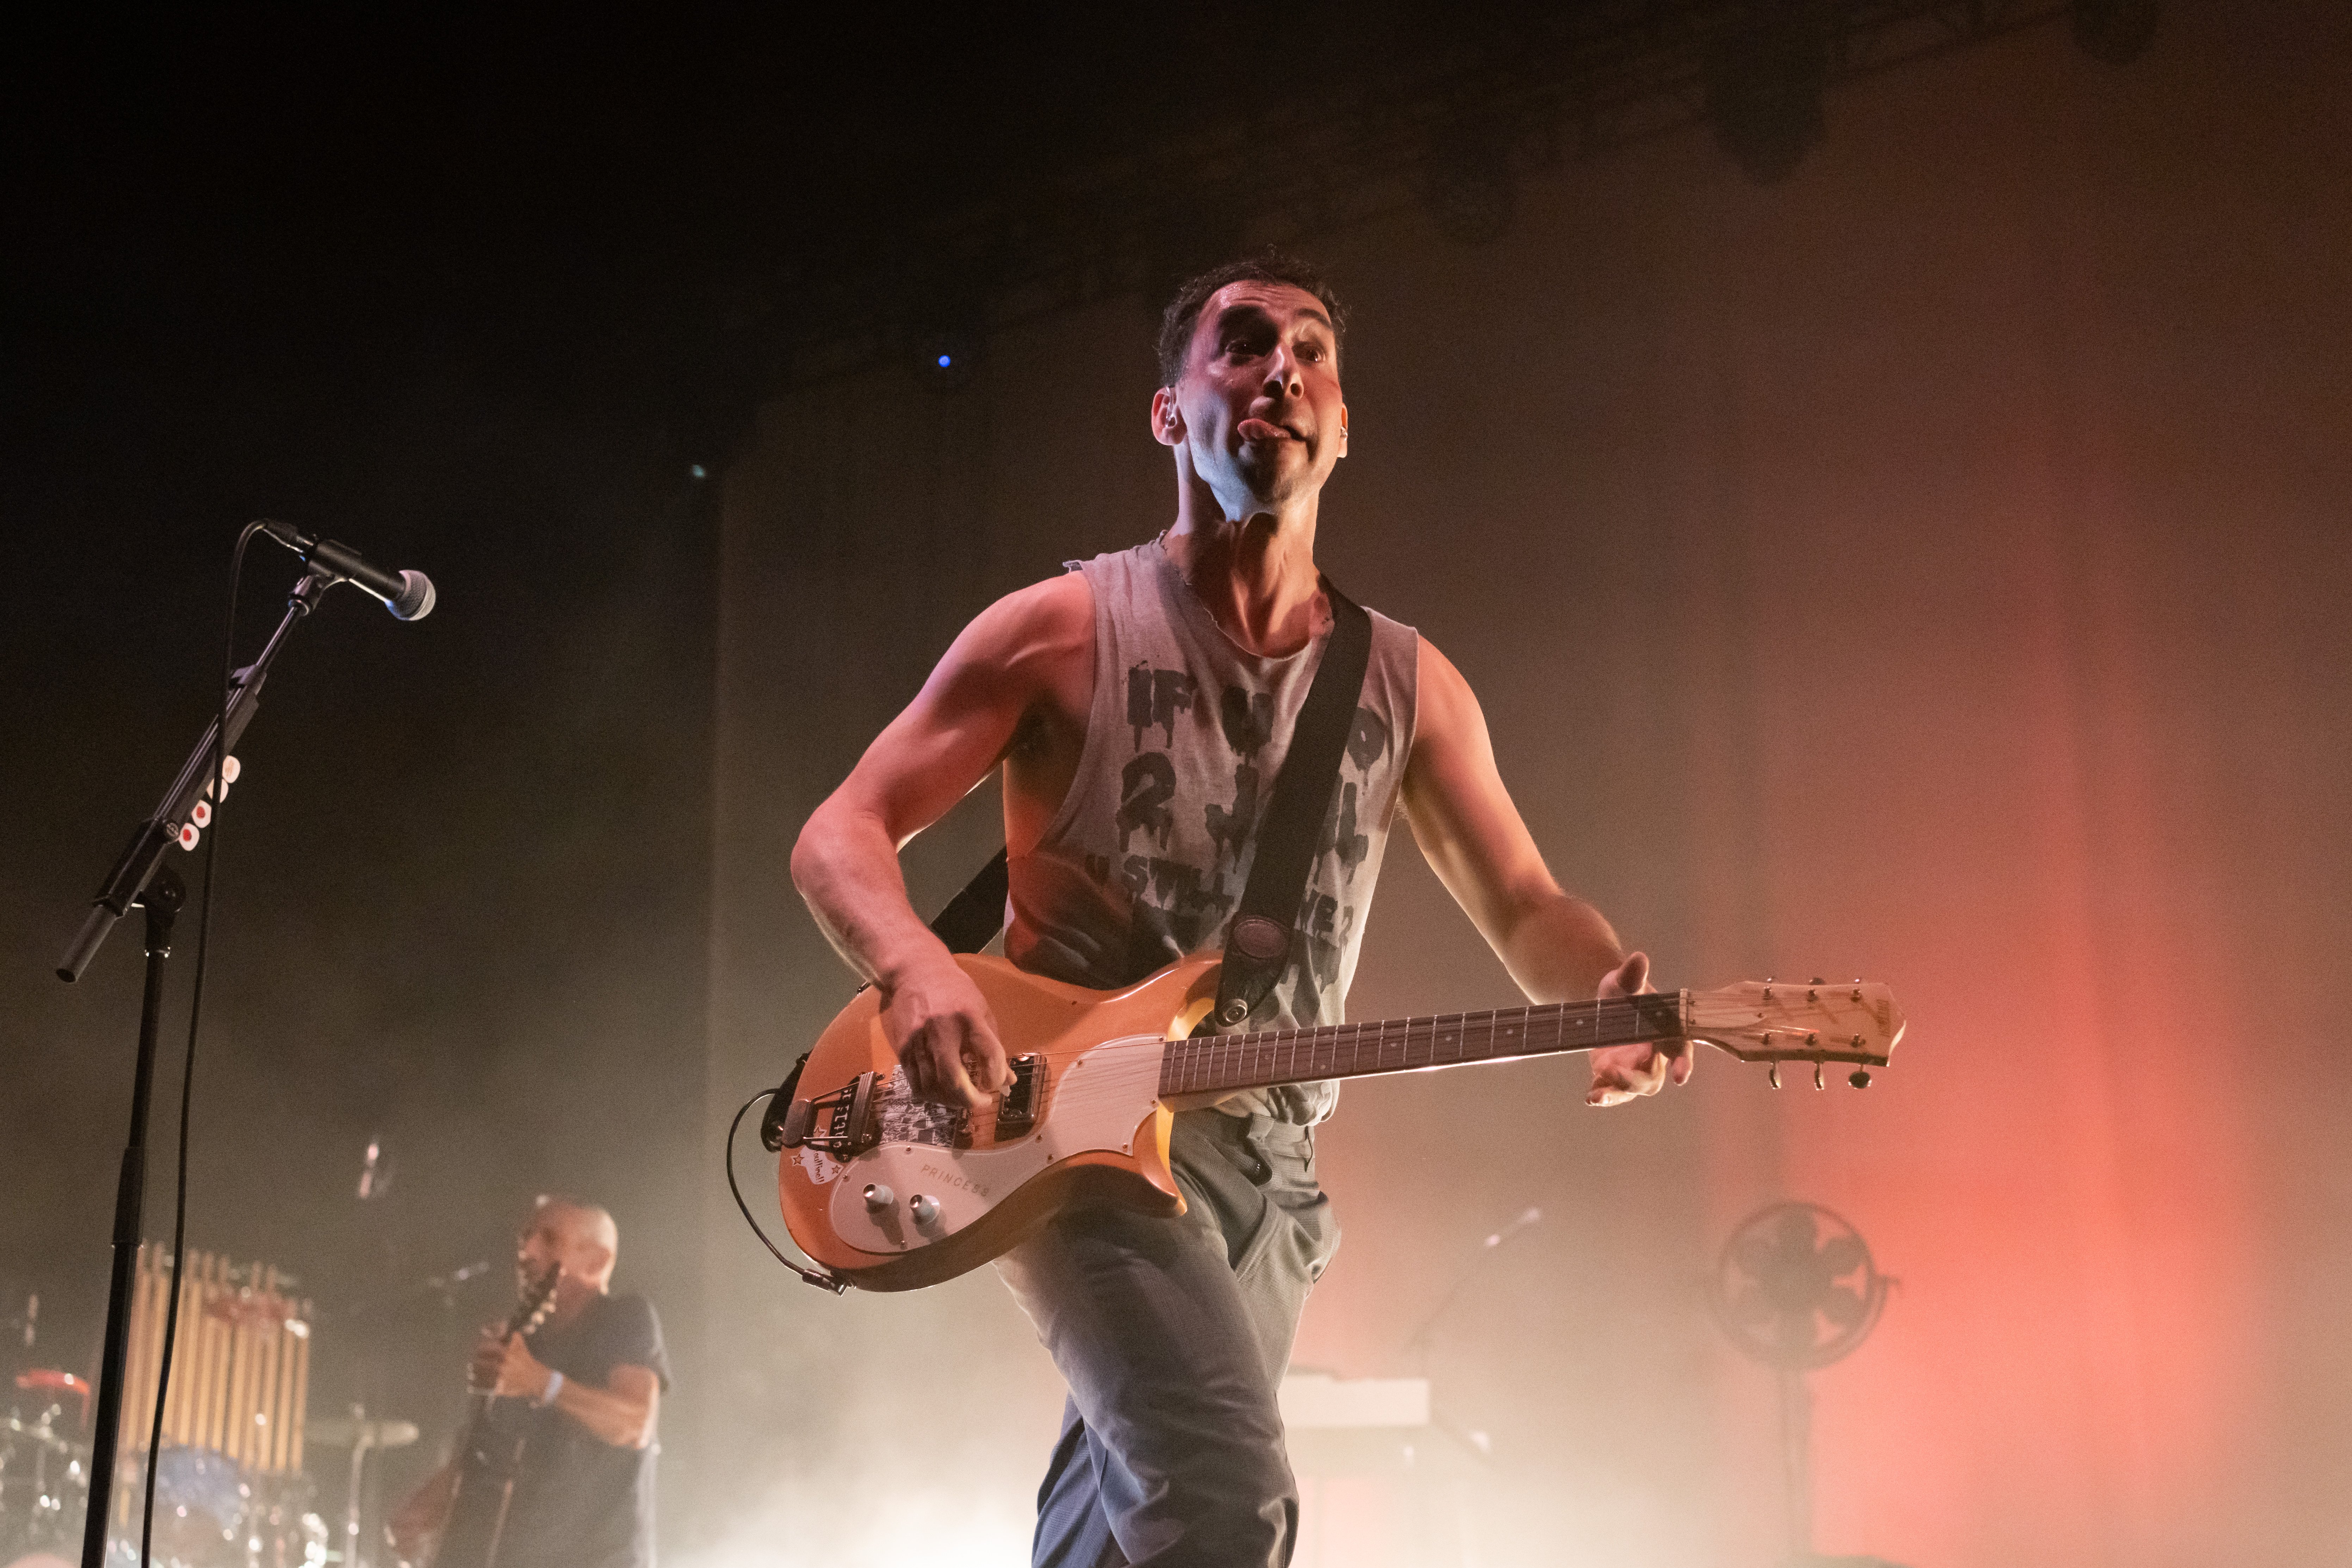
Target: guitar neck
[[1222, 1064]]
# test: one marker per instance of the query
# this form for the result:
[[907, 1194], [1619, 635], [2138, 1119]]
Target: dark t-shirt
[[579, 1502]]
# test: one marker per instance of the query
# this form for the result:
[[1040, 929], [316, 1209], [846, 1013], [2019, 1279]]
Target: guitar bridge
[[842, 1124], [1016, 1112]]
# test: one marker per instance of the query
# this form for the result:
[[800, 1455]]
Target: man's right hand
[[415, 1526], [939, 1025]]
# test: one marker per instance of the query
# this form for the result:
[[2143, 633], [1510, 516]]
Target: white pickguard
[[1096, 1103]]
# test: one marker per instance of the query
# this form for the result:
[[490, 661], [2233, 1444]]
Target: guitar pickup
[[1016, 1112], [841, 1124]]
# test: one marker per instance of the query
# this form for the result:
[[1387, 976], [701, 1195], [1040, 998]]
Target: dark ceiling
[[662, 215]]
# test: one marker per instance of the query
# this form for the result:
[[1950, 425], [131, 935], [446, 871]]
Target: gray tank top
[[1147, 858]]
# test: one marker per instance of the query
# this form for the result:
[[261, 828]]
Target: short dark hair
[[1177, 320]]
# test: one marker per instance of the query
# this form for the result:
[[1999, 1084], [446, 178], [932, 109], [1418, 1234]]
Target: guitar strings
[[1207, 1063], [1211, 1063]]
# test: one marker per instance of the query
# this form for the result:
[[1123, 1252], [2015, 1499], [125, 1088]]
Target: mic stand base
[[162, 900]]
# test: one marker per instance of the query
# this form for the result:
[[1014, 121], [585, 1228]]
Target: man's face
[[1258, 409], [579, 1239]]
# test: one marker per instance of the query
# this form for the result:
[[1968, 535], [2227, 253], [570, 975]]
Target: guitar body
[[933, 1192], [461, 1522], [477, 1506]]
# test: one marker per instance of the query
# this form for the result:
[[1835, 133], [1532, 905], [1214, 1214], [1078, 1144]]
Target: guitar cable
[[188, 1069], [816, 1277]]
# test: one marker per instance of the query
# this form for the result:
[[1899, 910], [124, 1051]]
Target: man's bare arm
[[621, 1413], [1555, 946], [1017, 656]]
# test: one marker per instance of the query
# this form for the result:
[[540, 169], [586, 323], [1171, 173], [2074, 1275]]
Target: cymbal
[[54, 1380], [343, 1432]]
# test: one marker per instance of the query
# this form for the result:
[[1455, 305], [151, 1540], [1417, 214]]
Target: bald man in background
[[583, 1391]]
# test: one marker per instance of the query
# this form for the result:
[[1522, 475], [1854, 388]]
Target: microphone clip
[[409, 596]]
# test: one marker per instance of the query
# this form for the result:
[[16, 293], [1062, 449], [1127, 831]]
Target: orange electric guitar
[[890, 1192]]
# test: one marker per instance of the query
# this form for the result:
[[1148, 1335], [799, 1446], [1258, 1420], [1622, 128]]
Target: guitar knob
[[1859, 1077], [924, 1207], [878, 1197]]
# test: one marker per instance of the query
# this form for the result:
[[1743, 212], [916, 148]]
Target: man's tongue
[[1261, 430]]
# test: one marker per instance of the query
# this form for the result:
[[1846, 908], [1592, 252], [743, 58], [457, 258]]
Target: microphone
[[445, 1285], [458, 1276], [1525, 1219], [376, 1171], [407, 594]]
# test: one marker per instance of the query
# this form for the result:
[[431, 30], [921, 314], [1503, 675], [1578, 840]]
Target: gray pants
[[1173, 1335]]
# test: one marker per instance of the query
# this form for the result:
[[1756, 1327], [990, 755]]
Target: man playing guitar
[[1140, 706], [582, 1392]]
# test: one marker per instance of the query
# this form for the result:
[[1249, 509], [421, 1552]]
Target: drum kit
[[230, 1491], [44, 1480], [209, 1512]]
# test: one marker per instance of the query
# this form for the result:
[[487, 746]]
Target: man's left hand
[[508, 1368], [1621, 1073]]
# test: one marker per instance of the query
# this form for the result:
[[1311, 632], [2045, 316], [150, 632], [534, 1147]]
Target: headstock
[[1777, 1021], [535, 1300]]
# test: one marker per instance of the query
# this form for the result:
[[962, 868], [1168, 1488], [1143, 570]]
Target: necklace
[[1318, 614]]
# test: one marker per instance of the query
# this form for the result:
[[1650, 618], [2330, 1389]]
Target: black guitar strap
[[974, 916], [1257, 944]]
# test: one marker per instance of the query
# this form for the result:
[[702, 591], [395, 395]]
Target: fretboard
[[1223, 1063]]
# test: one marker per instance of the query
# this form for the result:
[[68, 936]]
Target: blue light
[[697, 472], [947, 362]]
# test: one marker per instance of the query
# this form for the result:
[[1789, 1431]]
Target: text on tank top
[[1146, 860]]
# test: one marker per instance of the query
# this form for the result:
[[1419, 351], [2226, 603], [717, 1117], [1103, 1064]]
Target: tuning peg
[[1859, 1077], [201, 813], [1819, 1082], [189, 834]]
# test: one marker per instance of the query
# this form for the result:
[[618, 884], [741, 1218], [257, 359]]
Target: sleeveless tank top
[[1146, 860]]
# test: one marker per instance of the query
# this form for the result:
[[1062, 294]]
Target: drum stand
[[362, 1440], [363, 1436]]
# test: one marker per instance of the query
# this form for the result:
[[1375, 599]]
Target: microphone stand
[[139, 879], [1419, 1344]]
